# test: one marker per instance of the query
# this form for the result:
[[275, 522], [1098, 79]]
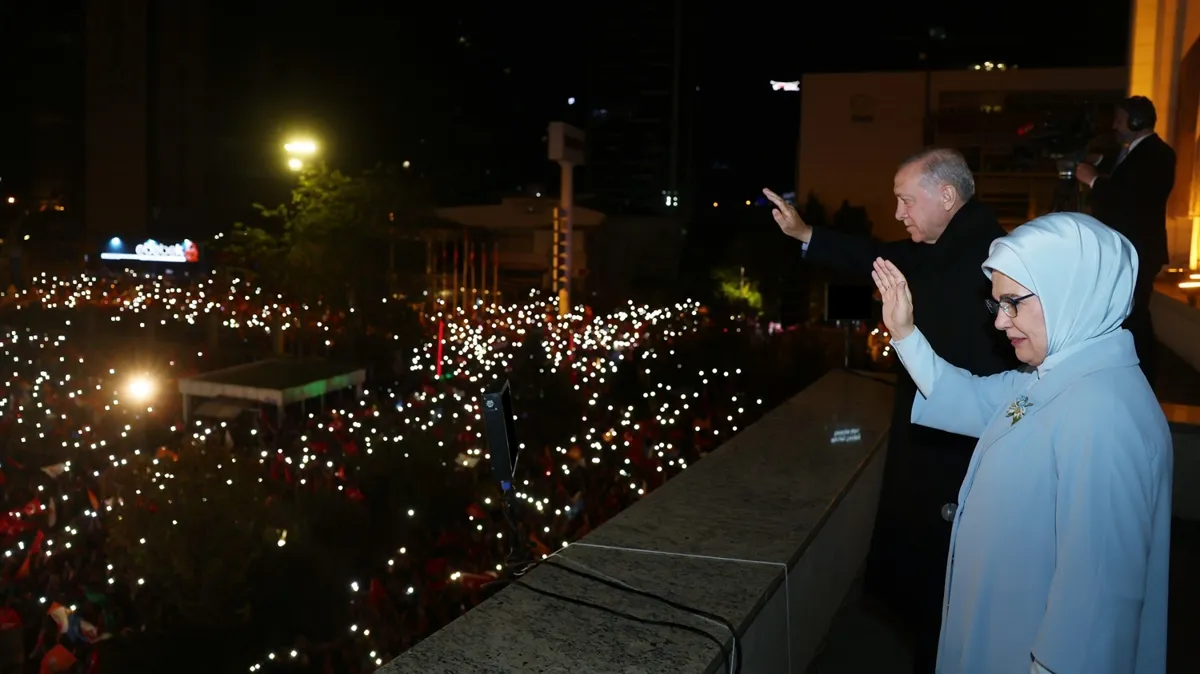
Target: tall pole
[[443, 279], [473, 288], [429, 261], [454, 289], [483, 271], [566, 145], [466, 267], [496, 272], [567, 198]]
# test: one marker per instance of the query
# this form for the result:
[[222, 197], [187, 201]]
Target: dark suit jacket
[[1133, 199], [926, 467]]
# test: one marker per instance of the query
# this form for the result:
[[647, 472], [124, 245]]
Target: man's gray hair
[[944, 166]]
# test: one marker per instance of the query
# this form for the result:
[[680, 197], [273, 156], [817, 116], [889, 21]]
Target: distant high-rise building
[[145, 140], [55, 111], [637, 82]]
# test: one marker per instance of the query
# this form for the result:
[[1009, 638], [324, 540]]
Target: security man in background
[[1131, 197]]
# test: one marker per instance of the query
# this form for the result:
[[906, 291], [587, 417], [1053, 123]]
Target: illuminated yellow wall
[[1161, 34], [855, 128]]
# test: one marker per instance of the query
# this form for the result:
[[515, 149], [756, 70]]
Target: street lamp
[[299, 149], [140, 388]]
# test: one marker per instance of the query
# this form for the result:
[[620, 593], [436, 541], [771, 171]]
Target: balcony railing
[[767, 533]]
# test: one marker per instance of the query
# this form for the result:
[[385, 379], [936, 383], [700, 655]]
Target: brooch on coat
[[1017, 409]]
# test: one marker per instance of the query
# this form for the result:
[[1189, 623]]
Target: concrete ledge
[[767, 532], [1177, 326]]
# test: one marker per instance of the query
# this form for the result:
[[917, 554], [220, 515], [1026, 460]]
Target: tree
[[741, 292], [190, 530], [851, 220], [329, 240], [814, 212]]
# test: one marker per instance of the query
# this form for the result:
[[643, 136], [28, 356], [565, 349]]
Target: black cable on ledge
[[520, 562]]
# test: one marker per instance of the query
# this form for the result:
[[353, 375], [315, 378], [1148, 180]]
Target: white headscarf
[[1082, 271]]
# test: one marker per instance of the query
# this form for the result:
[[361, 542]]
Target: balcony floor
[[864, 638], [1177, 382]]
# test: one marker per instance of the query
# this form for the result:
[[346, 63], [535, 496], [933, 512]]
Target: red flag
[[23, 572], [476, 511], [377, 595]]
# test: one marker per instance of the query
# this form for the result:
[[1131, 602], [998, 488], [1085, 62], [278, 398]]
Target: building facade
[[1009, 122], [145, 137], [635, 104], [1164, 64]]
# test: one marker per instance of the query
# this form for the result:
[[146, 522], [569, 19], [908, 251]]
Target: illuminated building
[[1164, 64], [856, 128]]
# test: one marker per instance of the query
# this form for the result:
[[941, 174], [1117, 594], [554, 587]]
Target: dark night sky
[[381, 82], [393, 81]]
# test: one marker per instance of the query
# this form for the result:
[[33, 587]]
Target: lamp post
[[298, 150], [140, 389]]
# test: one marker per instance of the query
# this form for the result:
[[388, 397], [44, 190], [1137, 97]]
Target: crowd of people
[[103, 481]]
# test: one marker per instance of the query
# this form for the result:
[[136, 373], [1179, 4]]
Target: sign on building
[[152, 251], [566, 144]]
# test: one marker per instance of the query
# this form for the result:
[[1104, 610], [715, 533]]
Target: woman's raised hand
[[897, 299]]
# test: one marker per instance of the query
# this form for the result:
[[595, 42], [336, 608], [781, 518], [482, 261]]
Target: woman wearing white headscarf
[[1059, 552]]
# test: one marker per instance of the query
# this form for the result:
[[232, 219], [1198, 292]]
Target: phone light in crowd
[[785, 86]]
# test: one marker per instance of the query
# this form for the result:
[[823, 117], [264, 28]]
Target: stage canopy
[[273, 382]]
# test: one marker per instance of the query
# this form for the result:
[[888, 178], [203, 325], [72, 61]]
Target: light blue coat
[[1060, 546]]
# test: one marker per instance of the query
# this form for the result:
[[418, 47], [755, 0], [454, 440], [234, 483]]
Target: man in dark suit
[[950, 233], [1132, 199]]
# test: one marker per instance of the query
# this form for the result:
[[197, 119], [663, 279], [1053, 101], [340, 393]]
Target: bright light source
[[295, 164], [12, 200], [302, 147], [140, 388], [115, 242]]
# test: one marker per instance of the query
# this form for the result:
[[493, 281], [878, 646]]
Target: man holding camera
[[1132, 199]]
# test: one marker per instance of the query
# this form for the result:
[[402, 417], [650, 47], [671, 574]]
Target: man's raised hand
[[788, 219]]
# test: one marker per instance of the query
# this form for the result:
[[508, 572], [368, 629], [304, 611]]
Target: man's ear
[[949, 197]]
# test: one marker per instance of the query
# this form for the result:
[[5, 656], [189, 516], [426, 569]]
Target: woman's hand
[[897, 299]]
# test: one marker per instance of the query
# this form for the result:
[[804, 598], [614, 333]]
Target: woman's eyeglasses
[[1007, 305]]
